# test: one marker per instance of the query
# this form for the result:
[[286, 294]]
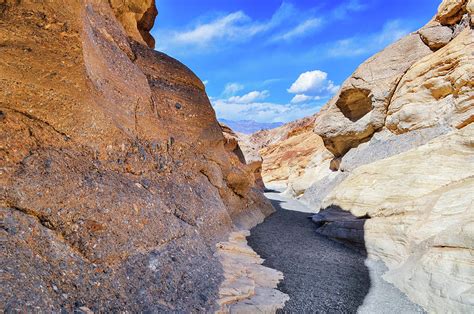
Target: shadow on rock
[[321, 275]]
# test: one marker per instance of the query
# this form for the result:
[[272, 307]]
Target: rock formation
[[116, 183], [420, 222], [407, 83], [246, 153], [398, 177], [293, 155], [248, 287]]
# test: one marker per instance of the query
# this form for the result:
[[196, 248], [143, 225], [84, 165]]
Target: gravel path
[[321, 276]]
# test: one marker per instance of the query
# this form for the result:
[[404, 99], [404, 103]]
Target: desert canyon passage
[[121, 192]]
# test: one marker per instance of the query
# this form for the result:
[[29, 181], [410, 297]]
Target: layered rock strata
[[115, 180], [294, 157], [248, 286], [420, 222]]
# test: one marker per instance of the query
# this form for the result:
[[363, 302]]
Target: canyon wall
[[294, 157], [396, 174], [116, 182]]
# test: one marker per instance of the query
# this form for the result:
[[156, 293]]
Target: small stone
[[85, 310]]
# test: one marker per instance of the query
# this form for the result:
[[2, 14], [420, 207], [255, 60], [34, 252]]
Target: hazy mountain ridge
[[250, 126]]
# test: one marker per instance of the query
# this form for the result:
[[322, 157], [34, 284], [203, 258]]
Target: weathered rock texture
[[293, 155], [359, 109], [137, 18], [404, 185], [407, 85], [246, 153], [115, 180], [437, 90], [401, 186], [248, 287], [420, 222]]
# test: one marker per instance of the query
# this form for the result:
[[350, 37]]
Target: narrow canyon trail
[[321, 275]]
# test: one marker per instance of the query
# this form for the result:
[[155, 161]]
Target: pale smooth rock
[[436, 35], [437, 90], [385, 144], [359, 109], [418, 210], [384, 184], [316, 170], [248, 287]]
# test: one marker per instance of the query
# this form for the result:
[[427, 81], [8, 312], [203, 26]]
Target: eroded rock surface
[[137, 17], [437, 90], [418, 221], [115, 180], [359, 109], [434, 63], [293, 155], [248, 286]]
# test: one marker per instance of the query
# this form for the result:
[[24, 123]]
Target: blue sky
[[276, 61]]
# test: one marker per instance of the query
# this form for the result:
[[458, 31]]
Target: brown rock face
[[246, 153], [115, 180], [137, 17]]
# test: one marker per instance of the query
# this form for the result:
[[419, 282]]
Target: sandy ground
[[322, 276]]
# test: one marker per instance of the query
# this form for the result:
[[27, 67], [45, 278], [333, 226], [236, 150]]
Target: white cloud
[[347, 7], [263, 111], [250, 97], [312, 83], [271, 81], [300, 30], [332, 89], [232, 88], [302, 98], [370, 43], [205, 82], [251, 107], [233, 27]]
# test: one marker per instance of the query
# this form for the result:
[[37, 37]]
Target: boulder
[[358, 110], [436, 35]]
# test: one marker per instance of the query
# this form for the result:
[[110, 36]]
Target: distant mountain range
[[249, 126]]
